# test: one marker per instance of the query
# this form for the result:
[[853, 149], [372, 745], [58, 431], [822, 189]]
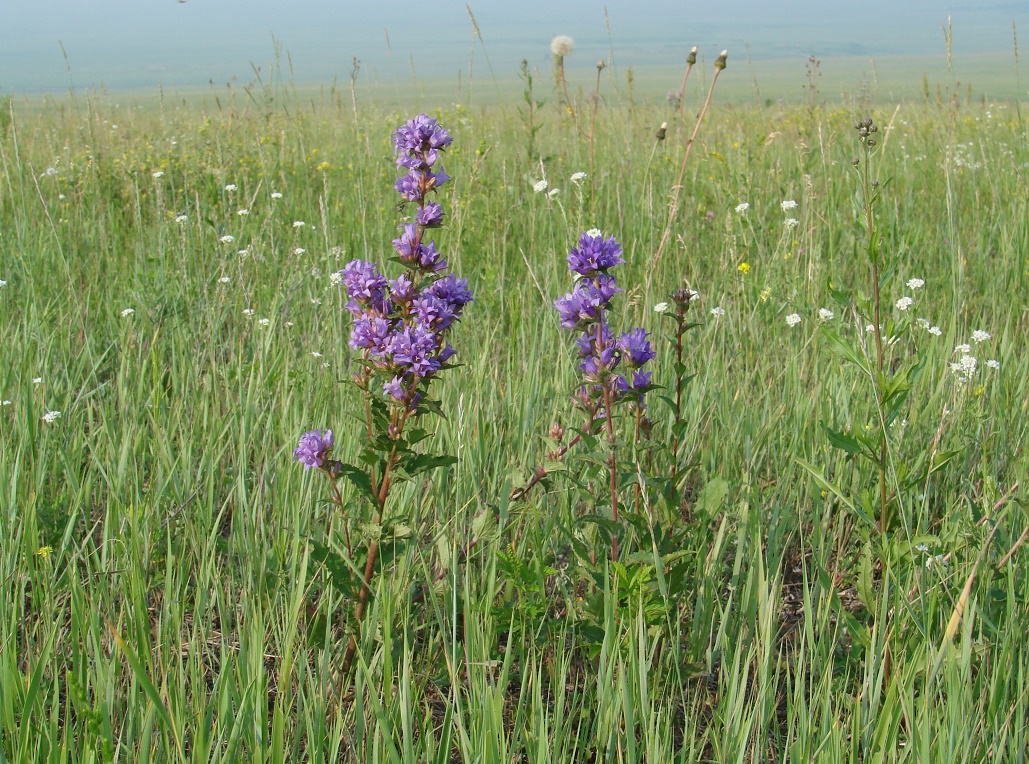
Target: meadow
[[174, 586]]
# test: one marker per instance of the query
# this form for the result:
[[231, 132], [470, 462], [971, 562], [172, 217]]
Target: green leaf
[[712, 496], [342, 576], [843, 441], [360, 479], [942, 458], [834, 489], [425, 462]]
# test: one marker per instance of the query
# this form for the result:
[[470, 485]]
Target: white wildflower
[[965, 366], [2, 284], [51, 416], [553, 192], [923, 323], [922, 548], [230, 187], [37, 380], [791, 223], [595, 233], [935, 331], [787, 205], [825, 314], [915, 284], [264, 321], [226, 239], [299, 251], [963, 349], [717, 311], [742, 208], [980, 336], [793, 319], [316, 354], [562, 45], [5, 403], [248, 312], [181, 218], [159, 174], [127, 312], [336, 278], [315, 301], [661, 307], [993, 363], [243, 212], [224, 280], [299, 223], [578, 177], [904, 303], [276, 195], [540, 186], [289, 323]]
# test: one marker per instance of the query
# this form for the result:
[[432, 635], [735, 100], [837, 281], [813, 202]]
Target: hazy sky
[[143, 43]]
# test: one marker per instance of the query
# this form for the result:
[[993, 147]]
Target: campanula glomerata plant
[[400, 332]]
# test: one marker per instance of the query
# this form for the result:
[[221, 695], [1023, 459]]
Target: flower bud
[[720, 61], [691, 59]]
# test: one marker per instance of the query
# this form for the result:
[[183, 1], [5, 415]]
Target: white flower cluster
[[540, 186], [788, 205], [578, 177], [742, 207], [793, 319], [825, 314]]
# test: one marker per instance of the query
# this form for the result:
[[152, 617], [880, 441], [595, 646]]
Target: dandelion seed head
[[562, 45]]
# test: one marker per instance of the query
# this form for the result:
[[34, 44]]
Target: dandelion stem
[[673, 209]]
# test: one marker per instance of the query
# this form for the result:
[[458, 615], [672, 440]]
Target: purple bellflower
[[313, 448]]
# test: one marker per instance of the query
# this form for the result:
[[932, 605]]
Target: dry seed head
[[562, 45]]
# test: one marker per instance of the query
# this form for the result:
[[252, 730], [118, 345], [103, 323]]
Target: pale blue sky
[[143, 43]]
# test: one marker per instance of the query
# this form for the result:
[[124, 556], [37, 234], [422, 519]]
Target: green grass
[[179, 613]]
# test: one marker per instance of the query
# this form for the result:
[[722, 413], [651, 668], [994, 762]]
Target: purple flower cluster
[[400, 325], [612, 367], [313, 448]]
